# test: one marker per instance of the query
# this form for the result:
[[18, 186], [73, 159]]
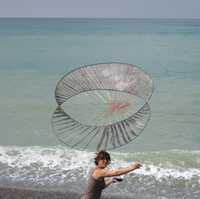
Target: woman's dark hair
[[102, 155]]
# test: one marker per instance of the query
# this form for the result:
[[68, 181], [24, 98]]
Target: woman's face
[[103, 163]]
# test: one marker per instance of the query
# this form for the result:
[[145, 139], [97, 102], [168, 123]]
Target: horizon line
[[59, 17]]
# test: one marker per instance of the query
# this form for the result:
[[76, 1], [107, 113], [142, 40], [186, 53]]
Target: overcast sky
[[101, 8]]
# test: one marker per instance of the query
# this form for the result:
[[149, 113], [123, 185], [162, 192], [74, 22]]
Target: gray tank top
[[94, 187]]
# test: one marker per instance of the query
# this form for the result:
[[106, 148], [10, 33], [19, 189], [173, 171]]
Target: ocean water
[[36, 53]]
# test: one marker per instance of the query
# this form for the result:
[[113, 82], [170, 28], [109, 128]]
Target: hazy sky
[[101, 8]]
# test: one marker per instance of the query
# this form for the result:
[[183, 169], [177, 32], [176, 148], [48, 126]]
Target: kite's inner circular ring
[[102, 106]]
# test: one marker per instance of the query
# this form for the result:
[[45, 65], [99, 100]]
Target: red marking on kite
[[117, 106]]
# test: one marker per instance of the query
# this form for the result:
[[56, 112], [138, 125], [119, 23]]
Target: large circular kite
[[102, 106]]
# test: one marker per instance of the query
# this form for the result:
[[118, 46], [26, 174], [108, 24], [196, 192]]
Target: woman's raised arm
[[117, 172]]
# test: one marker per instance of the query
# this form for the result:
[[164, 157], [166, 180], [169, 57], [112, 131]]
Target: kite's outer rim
[[93, 65]]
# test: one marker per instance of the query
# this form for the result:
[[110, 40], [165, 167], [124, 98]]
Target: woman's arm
[[108, 181], [117, 172]]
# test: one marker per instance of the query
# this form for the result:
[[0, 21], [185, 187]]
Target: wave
[[174, 163]]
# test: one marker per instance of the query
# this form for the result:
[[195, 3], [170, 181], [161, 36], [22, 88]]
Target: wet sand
[[16, 193]]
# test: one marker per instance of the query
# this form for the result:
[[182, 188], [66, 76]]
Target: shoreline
[[22, 193]]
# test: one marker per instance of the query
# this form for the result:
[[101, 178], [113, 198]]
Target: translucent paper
[[102, 106]]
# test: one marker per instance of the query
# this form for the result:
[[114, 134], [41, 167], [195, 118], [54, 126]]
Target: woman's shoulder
[[97, 172]]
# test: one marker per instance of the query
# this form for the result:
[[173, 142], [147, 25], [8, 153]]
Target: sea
[[35, 53]]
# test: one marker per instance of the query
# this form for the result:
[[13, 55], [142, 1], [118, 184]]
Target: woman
[[97, 182]]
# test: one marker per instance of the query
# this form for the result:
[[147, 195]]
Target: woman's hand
[[136, 165], [117, 180]]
